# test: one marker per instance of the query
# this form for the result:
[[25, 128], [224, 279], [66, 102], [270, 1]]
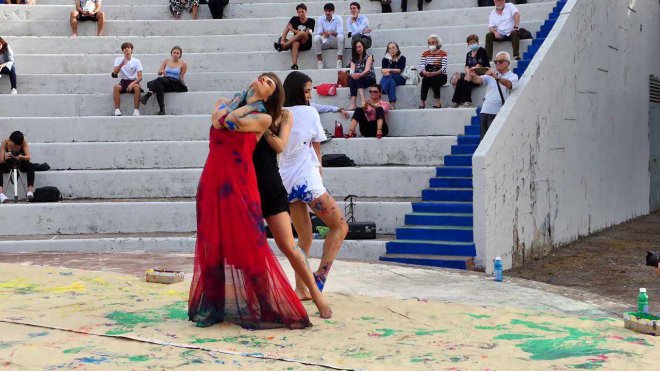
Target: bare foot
[[324, 307], [303, 294]]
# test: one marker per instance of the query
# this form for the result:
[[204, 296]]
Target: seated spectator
[[503, 26], [500, 83], [129, 71], [170, 80], [15, 153], [87, 10], [329, 34], [420, 5], [476, 57], [393, 64], [217, 7], [7, 65], [362, 73], [358, 27], [371, 116], [433, 69], [178, 6], [302, 29]]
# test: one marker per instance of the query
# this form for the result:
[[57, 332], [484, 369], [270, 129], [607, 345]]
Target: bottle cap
[[642, 290], [498, 258]]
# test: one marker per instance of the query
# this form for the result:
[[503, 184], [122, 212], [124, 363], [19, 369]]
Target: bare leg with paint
[[303, 226], [280, 226]]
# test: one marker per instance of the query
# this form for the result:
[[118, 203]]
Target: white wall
[[568, 154]]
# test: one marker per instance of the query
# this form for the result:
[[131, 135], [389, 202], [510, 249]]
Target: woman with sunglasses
[[371, 116]]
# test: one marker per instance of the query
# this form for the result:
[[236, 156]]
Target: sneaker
[[467, 104], [338, 64], [516, 57], [117, 112], [30, 196], [13, 92], [277, 46], [319, 65], [294, 66], [3, 198], [136, 112]]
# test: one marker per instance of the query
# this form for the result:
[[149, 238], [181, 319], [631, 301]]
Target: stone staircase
[[129, 182], [439, 230]]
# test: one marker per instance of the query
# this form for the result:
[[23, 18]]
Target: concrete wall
[[568, 154]]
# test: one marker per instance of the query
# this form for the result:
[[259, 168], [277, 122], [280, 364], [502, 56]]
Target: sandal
[[437, 106], [379, 133]]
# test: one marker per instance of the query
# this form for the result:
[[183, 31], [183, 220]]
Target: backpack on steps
[[47, 194], [336, 160]]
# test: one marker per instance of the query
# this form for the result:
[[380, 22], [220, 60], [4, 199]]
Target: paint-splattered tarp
[[368, 333]]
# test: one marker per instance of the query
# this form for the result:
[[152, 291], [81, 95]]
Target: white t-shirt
[[130, 70], [299, 165], [503, 23], [89, 5], [493, 101]]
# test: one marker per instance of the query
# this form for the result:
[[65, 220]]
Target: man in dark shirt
[[302, 28]]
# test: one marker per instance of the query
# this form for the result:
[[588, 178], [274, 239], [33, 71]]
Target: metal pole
[[15, 178]]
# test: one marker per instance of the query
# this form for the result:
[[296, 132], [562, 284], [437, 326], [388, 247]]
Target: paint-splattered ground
[[121, 322]]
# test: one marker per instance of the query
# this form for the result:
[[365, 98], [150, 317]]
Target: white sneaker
[[30, 196], [13, 92], [117, 112], [3, 198], [338, 64], [136, 112], [319, 65]]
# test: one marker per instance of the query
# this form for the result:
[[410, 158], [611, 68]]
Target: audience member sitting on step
[[357, 26], [393, 64], [503, 26], [302, 28], [371, 116], [362, 73], [169, 80], [420, 5], [217, 7], [476, 57], [178, 6], [87, 10], [433, 69], [323, 108], [329, 34], [129, 71], [7, 65], [15, 153], [500, 83]]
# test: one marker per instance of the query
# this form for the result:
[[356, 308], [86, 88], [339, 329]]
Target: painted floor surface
[[100, 320]]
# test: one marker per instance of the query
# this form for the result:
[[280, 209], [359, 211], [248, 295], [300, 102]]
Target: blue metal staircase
[[439, 230]]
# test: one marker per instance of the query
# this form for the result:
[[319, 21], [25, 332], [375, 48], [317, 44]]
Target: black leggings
[[24, 166], [217, 7], [11, 73], [369, 128], [463, 92], [433, 82], [165, 85]]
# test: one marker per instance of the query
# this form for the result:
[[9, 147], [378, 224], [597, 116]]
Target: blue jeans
[[389, 84]]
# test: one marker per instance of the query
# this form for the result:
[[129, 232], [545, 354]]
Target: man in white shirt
[[329, 34], [87, 10], [129, 71], [500, 83], [358, 27], [503, 26]]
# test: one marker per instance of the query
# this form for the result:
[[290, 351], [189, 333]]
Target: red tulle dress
[[236, 275]]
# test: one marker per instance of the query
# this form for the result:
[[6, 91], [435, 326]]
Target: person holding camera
[[129, 71], [15, 154], [433, 69], [170, 79], [371, 116]]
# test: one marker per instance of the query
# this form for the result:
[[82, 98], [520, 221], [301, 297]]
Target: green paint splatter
[[588, 365], [77, 350], [250, 341], [202, 341], [422, 358], [430, 332], [500, 327], [177, 311], [361, 355], [367, 318], [127, 321], [386, 332], [138, 358], [638, 341], [543, 326], [514, 336], [329, 322], [478, 315], [599, 319]]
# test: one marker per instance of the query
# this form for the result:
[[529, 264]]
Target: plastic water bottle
[[642, 301], [498, 269]]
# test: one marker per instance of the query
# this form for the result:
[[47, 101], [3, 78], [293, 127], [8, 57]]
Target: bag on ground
[[336, 160], [326, 89], [47, 194]]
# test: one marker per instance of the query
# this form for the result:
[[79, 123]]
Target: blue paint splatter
[[300, 192], [66, 273], [38, 334], [237, 157], [92, 360], [225, 190]]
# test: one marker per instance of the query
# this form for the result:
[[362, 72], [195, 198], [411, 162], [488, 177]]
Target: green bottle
[[642, 301]]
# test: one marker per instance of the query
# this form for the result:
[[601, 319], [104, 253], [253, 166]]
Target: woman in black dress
[[476, 57], [275, 206]]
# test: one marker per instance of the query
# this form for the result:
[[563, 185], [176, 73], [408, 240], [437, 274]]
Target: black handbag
[[47, 194], [653, 258], [336, 160], [524, 34]]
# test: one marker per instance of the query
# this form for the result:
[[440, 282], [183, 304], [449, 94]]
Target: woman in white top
[[300, 168]]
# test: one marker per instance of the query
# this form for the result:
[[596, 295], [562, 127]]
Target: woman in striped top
[[433, 69]]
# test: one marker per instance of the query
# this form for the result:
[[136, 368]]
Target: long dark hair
[[276, 100], [294, 89], [354, 51], [4, 45]]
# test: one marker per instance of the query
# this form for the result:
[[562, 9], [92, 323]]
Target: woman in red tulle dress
[[236, 275]]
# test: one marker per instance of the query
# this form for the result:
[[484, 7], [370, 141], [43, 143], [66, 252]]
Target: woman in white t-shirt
[[300, 169]]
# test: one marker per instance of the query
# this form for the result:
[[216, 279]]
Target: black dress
[[273, 195]]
